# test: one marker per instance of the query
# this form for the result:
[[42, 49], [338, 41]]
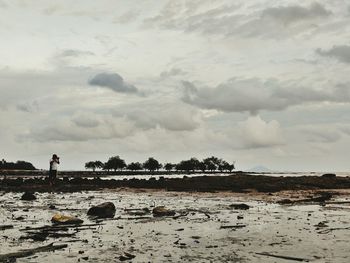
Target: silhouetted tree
[[115, 163], [90, 165], [169, 166], [225, 166], [98, 164], [134, 166], [212, 163], [188, 165], [152, 164], [202, 166], [94, 165]]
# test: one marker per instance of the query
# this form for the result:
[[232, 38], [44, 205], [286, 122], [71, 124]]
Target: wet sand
[[205, 228]]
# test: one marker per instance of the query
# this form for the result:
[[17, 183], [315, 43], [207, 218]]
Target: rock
[[64, 219], [285, 201], [321, 224], [325, 196], [162, 211], [28, 196], [104, 210], [240, 206], [52, 207], [329, 175]]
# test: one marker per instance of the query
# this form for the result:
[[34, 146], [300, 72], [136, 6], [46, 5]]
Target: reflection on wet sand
[[205, 227]]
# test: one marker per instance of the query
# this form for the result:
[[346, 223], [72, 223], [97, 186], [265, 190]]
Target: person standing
[[54, 162]]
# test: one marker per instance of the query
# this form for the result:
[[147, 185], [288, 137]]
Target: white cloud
[[256, 133], [81, 130]]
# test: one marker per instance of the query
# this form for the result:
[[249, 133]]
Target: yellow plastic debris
[[65, 219]]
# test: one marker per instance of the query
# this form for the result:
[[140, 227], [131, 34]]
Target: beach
[[207, 226]]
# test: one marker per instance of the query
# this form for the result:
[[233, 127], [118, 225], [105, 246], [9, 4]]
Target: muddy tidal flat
[[285, 226]]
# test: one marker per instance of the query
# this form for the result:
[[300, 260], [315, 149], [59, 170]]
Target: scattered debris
[[234, 226], [138, 211], [285, 202], [162, 211], [321, 224], [29, 252], [126, 256], [324, 196], [104, 210], [283, 257], [41, 236], [4, 227], [326, 231], [240, 206], [64, 219]]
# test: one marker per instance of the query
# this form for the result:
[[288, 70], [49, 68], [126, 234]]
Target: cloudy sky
[[252, 81]]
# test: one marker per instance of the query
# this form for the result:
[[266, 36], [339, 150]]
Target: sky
[[258, 82]]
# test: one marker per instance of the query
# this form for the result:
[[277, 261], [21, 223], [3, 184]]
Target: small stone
[[28, 196], [240, 206], [162, 211]]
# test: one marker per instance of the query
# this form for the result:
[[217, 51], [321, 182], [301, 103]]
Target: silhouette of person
[[54, 162]]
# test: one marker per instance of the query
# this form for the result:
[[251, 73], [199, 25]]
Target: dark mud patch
[[239, 182]]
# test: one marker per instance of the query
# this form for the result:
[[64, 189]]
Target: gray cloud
[[127, 17], [3, 4], [341, 53], [172, 72], [321, 133], [75, 53], [168, 115], [31, 106], [253, 95], [86, 120], [291, 14], [112, 81], [65, 129], [277, 22]]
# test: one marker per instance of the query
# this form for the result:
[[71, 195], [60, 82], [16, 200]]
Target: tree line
[[19, 165], [151, 164]]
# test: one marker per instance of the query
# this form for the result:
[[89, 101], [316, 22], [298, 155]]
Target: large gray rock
[[104, 210]]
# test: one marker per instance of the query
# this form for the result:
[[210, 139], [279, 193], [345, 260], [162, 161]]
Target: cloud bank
[[254, 95]]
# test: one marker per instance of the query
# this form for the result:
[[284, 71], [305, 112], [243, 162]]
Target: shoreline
[[238, 182]]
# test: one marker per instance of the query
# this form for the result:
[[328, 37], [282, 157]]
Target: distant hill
[[259, 169]]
